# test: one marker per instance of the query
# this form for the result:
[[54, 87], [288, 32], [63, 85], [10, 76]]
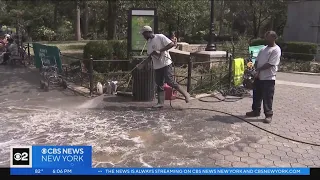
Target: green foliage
[[45, 33], [64, 31], [257, 42], [293, 50], [239, 48], [299, 50], [106, 50], [187, 17]]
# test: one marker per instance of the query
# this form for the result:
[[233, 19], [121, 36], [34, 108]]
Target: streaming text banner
[[62, 157], [160, 171]]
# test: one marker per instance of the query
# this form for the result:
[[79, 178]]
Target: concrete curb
[[304, 73], [79, 89]]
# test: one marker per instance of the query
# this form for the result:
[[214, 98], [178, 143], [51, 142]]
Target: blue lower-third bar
[[160, 171]]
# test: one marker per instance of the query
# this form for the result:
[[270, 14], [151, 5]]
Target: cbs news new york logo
[[21, 157]]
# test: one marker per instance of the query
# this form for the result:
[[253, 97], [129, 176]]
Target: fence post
[[229, 58], [28, 50], [91, 74], [190, 64]]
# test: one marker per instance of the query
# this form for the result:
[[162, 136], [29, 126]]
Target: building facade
[[303, 22]]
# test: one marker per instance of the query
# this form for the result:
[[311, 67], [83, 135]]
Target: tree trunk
[[78, 27], [272, 24], [222, 8], [86, 19], [111, 23], [254, 21]]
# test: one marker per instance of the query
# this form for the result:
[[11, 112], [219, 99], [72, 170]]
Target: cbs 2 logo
[[21, 156]]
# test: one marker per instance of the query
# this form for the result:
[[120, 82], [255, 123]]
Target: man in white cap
[[157, 47]]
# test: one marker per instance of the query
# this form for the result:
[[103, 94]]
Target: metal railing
[[194, 75]]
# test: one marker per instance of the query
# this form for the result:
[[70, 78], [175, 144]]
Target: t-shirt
[[13, 49], [155, 44], [269, 55]]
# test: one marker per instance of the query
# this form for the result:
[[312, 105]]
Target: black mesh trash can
[[143, 80]]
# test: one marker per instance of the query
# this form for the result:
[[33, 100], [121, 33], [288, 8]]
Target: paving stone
[[241, 154], [216, 156], [280, 139], [288, 159], [281, 164], [256, 165], [317, 153], [248, 160], [306, 162], [256, 155], [299, 150], [304, 146], [290, 144], [278, 153], [297, 165], [242, 145], [239, 164], [265, 162], [272, 157], [275, 143], [285, 149], [234, 148], [232, 158], [316, 148], [225, 152], [223, 163], [255, 145], [263, 151], [316, 163], [248, 149], [309, 156], [294, 155], [270, 147]]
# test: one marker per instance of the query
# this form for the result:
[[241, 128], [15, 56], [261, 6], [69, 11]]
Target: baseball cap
[[146, 29]]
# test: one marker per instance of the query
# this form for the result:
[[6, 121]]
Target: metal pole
[[190, 64], [211, 46], [91, 74]]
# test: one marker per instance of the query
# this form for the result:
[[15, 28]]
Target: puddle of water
[[146, 136], [108, 157]]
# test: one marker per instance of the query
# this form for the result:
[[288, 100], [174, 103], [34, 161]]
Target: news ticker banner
[[77, 160], [160, 171]]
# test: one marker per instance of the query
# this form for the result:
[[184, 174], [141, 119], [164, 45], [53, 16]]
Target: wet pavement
[[129, 134]]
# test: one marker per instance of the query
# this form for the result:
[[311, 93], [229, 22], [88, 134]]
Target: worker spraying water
[[157, 48]]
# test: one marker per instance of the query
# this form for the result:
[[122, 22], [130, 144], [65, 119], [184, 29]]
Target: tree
[[77, 21], [112, 15], [86, 19]]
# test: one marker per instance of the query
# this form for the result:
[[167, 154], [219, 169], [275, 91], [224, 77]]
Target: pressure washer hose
[[235, 116]]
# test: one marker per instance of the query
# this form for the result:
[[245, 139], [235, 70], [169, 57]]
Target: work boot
[[160, 100], [268, 119], [184, 93], [253, 114]]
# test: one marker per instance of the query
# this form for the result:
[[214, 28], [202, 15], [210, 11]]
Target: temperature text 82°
[[38, 171]]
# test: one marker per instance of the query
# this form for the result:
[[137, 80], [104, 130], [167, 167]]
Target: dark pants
[[263, 91], [165, 75], [6, 58]]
